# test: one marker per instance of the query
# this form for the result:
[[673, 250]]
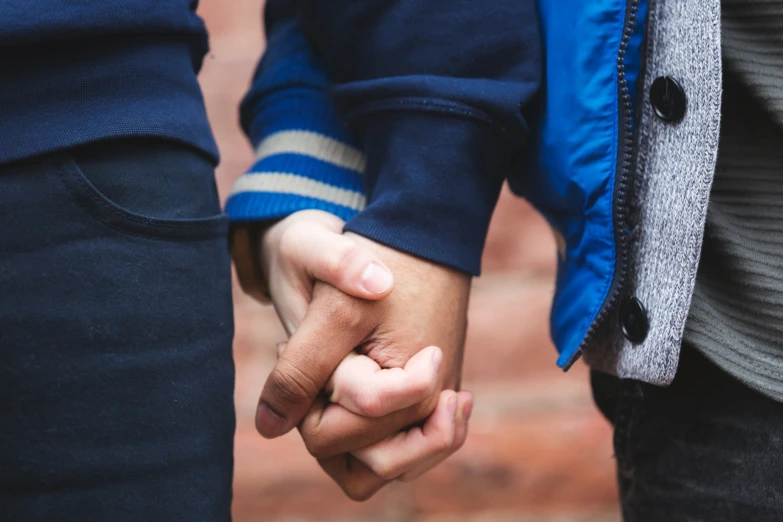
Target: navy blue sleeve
[[435, 91], [305, 156]]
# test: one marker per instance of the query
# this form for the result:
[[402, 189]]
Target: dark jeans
[[705, 449], [116, 372]]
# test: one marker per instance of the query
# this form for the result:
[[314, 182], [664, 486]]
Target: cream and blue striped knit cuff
[[304, 160]]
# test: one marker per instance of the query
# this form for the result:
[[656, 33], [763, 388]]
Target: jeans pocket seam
[[127, 222]]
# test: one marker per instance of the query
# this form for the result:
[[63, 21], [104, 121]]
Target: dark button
[[633, 318], [667, 98]]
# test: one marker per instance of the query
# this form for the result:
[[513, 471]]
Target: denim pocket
[[104, 209], [116, 370]]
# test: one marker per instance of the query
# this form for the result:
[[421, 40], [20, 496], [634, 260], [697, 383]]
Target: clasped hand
[[373, 360]]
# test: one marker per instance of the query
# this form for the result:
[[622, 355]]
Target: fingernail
[[467, 410], [376, 279], [268, 423], [452, 407]]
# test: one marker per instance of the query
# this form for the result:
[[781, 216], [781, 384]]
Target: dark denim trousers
[[116, 372], [705, 449]]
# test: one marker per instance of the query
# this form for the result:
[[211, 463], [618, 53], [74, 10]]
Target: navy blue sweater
[[76, 71], [433, 91]]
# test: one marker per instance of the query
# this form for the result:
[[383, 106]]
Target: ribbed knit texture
[[737, 310], [305, 157]]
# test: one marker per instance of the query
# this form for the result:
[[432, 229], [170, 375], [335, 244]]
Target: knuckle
[[385, 348], [337, 259], [317, 445], [385, 469], [425, 408], [369, 403], [290, 385], [322, 443]]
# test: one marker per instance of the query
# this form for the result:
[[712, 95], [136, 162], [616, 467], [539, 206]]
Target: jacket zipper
[[620, 202]]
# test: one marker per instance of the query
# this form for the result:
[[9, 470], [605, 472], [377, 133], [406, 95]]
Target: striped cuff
[[297, 170], [305, 159]]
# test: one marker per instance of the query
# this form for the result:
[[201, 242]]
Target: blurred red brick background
[[537, 451]]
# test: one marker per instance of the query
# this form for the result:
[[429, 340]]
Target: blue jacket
[[415, 112]]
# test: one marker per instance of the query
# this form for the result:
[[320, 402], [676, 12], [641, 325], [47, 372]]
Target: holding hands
[[370, 370]]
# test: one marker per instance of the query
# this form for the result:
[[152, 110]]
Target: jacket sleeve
[[435, 92], [305, 157]]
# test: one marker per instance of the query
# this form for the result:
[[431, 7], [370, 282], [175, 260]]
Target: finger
[[291, 302], [322, 254], [333, 326], [357, 480], [406, 450], [464, 409], [328, 429], [360, 385]]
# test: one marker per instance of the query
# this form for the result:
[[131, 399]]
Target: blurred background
[[538, 451]]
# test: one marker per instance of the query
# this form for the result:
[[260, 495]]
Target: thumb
[[317, 252], [333, 326]]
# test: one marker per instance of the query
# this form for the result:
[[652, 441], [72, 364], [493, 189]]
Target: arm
[[440, 134], [434, 90], [295, 130], [305, 157]]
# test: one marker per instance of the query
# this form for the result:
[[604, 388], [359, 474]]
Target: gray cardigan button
[[667, 98], [633, 319]]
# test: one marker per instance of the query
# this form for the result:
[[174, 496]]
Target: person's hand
[[428, 306], [408, 454], [308, 246]]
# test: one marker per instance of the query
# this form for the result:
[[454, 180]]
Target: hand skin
[[406, 455], [308, 246], [388, 383]]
